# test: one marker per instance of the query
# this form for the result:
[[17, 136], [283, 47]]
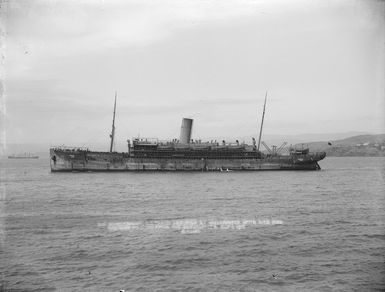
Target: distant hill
[[361, 145], [361, 139], [357, 145]]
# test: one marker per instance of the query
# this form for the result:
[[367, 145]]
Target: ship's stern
[[61, 159], [56, 161]]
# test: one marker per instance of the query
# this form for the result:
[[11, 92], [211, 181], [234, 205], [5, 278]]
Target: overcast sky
[[322, 63]]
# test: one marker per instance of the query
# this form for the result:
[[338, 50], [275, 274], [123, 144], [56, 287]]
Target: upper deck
[[196, 149]]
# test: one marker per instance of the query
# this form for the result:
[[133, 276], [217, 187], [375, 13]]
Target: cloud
[[60, 29], [212, 60], [91, 25]]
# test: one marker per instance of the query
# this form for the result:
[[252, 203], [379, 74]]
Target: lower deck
[[93, 161]]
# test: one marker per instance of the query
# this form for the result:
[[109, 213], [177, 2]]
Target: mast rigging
[[112, 135], [263, 117]]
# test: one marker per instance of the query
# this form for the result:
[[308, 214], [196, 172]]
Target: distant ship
[[23, 156], [183, 154]]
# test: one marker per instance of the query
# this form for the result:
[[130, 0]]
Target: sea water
[[199, 231]]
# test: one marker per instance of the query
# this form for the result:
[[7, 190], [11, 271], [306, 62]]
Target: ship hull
[[87, 161]]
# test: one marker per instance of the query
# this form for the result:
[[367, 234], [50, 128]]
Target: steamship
[[183, 154], [23, 156]]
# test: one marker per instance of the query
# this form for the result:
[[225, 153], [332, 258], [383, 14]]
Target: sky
[[321, 63]]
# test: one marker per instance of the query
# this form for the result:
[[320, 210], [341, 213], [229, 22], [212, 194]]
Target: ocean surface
[[194, 231]]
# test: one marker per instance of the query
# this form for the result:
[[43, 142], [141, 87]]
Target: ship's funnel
[[185, 131]]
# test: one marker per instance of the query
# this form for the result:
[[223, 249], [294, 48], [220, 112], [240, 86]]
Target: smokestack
[[185, 131]]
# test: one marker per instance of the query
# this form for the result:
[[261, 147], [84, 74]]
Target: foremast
[[263, 117], [112, 135]]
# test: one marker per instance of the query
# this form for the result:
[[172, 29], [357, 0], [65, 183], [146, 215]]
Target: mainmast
[[112, 136], [263, 117]]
